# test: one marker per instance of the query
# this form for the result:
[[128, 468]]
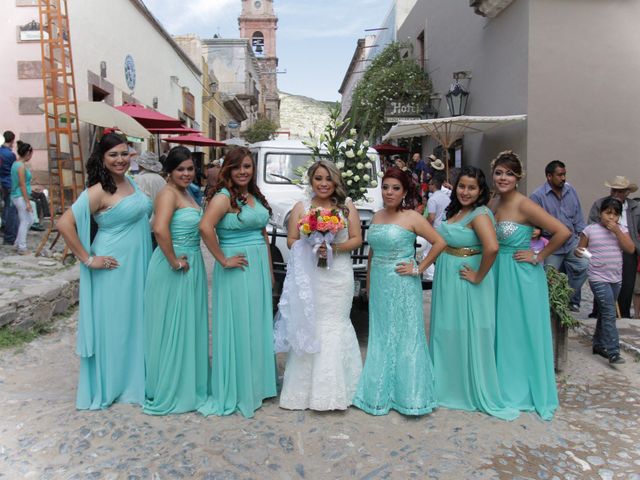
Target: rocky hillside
[[299, 115]]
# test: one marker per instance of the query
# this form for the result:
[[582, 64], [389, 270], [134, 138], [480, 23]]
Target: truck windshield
[[281, 167]]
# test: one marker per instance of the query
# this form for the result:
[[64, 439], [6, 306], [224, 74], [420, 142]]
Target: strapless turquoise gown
[[176, 322], [462, 334], [524, 349], [112, 361], [397, 372], [243, 360]]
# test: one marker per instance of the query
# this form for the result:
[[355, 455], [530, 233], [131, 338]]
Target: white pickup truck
[[276, 162]]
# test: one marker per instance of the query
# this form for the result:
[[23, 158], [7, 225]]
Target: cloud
[[196, 16]]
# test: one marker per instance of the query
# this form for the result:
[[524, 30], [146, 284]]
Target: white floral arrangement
[[348, 152]]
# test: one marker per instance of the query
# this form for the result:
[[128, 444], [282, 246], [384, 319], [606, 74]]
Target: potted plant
[[561, 319]]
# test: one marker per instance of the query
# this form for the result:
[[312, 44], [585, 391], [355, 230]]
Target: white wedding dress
[[327, 380]]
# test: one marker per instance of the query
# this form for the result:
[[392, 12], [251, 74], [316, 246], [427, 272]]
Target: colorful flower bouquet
[[320, 226]]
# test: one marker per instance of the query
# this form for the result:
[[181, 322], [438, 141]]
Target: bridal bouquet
[[320, 225]]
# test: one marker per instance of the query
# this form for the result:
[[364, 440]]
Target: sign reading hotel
[[397, 111]]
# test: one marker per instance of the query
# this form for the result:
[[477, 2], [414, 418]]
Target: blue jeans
[[606, 334], [9, 218], [575, 268]]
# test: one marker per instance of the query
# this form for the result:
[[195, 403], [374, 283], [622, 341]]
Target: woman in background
[[21, 194]]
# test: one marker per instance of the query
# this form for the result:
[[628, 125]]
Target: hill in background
[[299, 115]]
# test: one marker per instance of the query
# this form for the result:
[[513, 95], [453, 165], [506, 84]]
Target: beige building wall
[[583, 104]]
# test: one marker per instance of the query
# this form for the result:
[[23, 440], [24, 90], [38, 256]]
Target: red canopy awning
[[148, 117], [389, 149], [173, 130], [195, 139]]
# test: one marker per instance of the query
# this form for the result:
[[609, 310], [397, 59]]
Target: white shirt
[[623, 217], [437, 204]]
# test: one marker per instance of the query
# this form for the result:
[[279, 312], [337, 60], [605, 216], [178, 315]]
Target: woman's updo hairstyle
[[509, 160], [96, 171], [24, 148], [339, 195], [175, 157], [406, 181]]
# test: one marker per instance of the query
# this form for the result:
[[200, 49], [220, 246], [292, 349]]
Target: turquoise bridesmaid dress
[[397, 373], [110, 338], [463, 328], [243, 370], [524, 349], [176, 323]]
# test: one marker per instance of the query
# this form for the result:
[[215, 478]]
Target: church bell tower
[[258, 24]]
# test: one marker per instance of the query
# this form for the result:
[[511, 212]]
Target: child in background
[[538, 242], [605, 241]]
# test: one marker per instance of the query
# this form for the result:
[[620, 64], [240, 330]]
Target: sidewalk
[[628, 328]]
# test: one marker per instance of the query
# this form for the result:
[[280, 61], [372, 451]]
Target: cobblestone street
[[595, 434]]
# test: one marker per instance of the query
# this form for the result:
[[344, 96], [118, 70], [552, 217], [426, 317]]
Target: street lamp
[[458, 96], [432, 108]]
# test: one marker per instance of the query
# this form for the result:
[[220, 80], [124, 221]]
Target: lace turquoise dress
[[524, 349], [176, 323], [397, 372], [110, 330], [243, 365], [462, 337]]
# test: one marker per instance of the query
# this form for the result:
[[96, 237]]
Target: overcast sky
[[316, 38]]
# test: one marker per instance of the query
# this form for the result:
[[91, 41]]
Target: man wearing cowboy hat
[[436, 163], [620, 188], [150, 181]]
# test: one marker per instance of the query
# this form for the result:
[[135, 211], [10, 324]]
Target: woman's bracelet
[[416, 271], [179, 267], [88, 261], [334, 247]]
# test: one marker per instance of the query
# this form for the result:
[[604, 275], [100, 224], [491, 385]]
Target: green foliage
[[343, 147], [559, 294], [389, 78], [262, 130], [10, 337]]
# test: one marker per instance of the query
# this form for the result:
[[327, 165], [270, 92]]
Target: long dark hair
[[472, 172], [23, 149], [232, 160], [96, 171], [175, 157], [408, 201]]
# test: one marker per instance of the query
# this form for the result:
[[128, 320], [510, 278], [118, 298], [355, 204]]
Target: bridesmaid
[[397, 373], [233, 228], [463, 303], [175, 298], [524, 351], [113, 274]]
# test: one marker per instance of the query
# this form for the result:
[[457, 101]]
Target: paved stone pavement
[[595, 434]]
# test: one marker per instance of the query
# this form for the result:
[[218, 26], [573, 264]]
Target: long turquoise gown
[[463, 328], [397, 372], [110, 330], [524, 349], [243, 367], [176, 323]]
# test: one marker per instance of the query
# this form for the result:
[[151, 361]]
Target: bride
[[324, 363]]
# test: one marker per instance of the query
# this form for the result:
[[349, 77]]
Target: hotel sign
[[397, 111]]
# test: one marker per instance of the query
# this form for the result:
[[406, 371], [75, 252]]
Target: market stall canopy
[[389, 149], [195, 139], [174, 130], [448, 130], [148, 117], [104, 115]]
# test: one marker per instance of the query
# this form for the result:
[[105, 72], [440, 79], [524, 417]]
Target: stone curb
[[38, 300], [587, 332]]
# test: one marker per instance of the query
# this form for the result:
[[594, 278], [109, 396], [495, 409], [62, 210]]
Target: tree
[[263, 129], [391, 77]]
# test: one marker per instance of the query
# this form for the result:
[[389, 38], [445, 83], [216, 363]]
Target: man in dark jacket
[[621, 187], [9, 214]]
